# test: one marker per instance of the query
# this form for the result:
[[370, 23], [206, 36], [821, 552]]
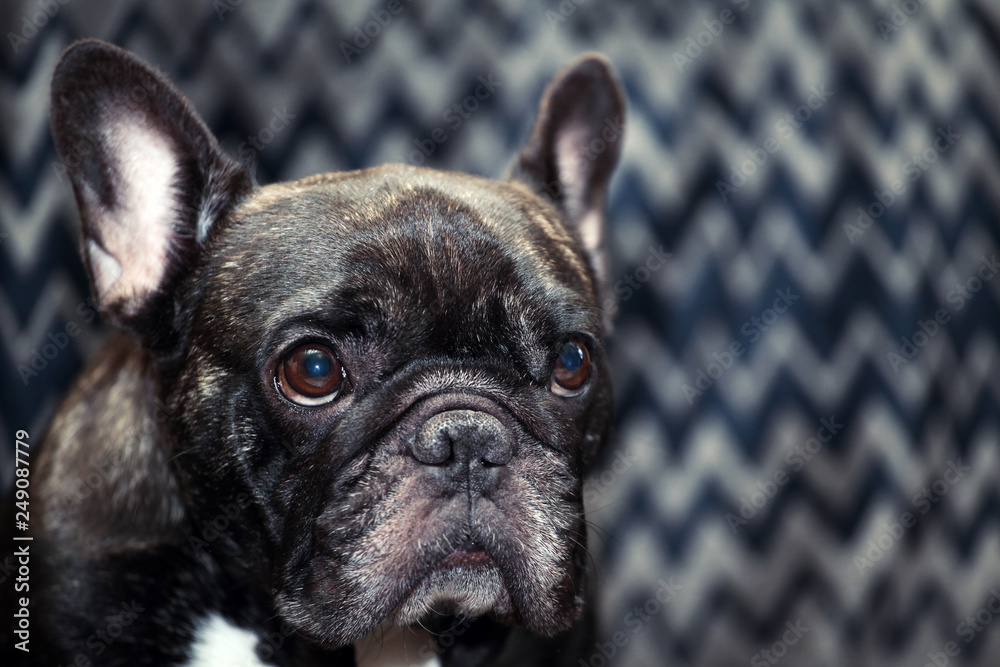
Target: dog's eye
[[311, 375], [569, 377]]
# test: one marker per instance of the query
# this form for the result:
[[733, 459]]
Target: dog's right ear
[[150, 180]]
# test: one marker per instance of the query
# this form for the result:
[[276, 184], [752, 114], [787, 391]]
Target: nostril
[[497, 451], [432, 447]]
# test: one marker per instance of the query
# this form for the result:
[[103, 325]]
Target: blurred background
[[808, 389]]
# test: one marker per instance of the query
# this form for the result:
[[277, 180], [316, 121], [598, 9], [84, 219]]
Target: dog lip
[[469, 554]]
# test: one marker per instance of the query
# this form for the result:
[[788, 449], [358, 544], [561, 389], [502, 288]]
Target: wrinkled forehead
[[406, 248]]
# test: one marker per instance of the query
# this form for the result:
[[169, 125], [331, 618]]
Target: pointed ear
[[575, 145], [150, 180]]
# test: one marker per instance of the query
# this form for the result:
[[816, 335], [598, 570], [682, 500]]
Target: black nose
[[463, 436]]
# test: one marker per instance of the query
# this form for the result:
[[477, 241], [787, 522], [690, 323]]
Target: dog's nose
[[463, 436]]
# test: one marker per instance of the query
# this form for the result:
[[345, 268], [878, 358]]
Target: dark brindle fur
[[441, 293]]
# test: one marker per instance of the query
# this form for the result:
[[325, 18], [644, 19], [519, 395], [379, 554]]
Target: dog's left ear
[[574, 147], [150, 181]]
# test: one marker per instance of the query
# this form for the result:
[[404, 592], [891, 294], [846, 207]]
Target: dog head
[[391, 380]]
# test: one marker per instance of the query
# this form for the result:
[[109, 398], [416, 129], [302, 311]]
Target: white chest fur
[[219, 643]]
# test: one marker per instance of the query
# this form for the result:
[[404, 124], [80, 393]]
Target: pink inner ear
[[574, 169], [105, 268], [135, 236]]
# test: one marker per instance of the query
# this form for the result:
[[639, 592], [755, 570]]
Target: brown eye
[[311, 375], [569, 377]]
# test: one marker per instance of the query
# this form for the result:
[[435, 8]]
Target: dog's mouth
[[466, 582], [470, 554], [493, 569]]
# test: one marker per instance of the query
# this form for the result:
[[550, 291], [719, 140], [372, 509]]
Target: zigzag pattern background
[[722, 482]]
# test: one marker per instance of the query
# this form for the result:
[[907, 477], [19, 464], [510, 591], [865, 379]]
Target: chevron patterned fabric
[[805, 230]]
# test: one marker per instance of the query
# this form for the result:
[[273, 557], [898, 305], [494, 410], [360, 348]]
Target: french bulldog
[[340, 409]]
